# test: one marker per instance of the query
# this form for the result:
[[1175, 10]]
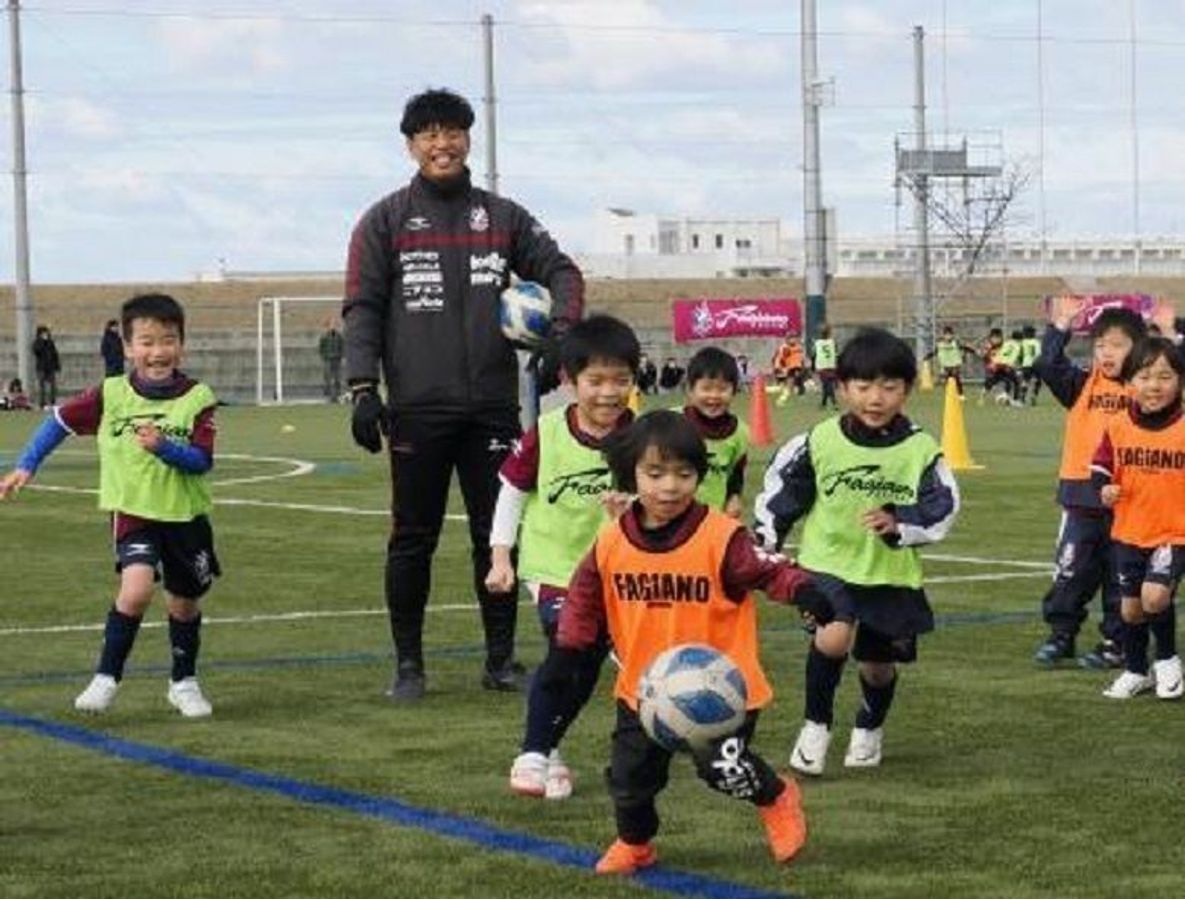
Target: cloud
[[225, 46], [633, 43], [75, 117]]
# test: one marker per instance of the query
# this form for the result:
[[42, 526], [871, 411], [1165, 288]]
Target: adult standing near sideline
[[331, 348], [425, 270], [47, 363], [111, 349]]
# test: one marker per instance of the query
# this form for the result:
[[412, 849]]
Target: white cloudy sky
[[164, 135]]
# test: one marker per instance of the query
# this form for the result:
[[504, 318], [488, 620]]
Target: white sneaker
[[187, 697], [864, 748], [559, 778], [1128, 685], [1167, 673], [98, 696], [809, 755], [528, 775]]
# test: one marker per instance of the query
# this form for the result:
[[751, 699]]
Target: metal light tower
[[490, 104], [20, 206], [928, 171], [814, 229]]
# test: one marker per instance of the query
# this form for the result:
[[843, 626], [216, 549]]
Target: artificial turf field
[[999, 779]]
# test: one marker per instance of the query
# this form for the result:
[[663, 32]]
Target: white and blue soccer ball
[[691, 695], [526, 313]]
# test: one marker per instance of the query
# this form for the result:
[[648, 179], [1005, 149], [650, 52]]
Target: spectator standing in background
[[331, 348], [47, 363], [111, 349]]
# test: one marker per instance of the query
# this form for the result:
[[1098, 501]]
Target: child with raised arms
[[1082, 558]]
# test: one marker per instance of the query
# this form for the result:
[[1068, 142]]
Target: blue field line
[[448, 825], [457, 650]]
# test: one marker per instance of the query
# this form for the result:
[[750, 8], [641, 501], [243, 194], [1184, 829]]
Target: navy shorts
[[888, 617], [181, 552], [1159, 565]]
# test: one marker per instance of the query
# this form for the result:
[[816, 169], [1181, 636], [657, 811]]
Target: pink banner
[[710, 318], [1144, 304]]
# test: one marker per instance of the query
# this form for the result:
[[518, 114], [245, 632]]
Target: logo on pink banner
[[1144, 304], [704, 319]]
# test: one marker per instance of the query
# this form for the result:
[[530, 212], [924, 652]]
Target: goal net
[[289, 368], [288, 364]]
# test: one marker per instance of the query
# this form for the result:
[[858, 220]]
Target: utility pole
[[20, 206], [490, 102], [923, 302], [813, 232]]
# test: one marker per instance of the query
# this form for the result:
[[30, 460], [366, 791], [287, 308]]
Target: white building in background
[[628, 244], [886, 257]]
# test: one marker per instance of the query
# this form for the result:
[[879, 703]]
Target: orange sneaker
[[785, 822], [625, 859]]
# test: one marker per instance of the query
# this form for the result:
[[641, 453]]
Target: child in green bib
[[871, 488], [712, 381], [155, 435], [551, 506]]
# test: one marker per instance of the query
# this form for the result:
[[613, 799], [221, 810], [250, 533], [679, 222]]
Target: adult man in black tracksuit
[[425, 270]]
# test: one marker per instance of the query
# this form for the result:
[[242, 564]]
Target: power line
[[592, 27]]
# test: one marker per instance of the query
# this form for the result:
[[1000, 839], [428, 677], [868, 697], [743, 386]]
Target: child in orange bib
[[617, 588], [1139, 470]]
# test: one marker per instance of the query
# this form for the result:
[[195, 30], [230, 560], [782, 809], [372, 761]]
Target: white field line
[[305, 615]]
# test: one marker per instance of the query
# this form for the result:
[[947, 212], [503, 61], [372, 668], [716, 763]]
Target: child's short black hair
[[161, 307], [1017, 334], [876, 353], [996, 332], [1029, 331], [669, 432], [948, 329], [712, 362], [599, 337], [1148, 350], [439, 106], [1126, 320]]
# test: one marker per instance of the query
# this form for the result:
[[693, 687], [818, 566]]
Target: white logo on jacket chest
[[487, 268], [479, 219]]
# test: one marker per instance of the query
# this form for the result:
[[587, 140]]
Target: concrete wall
[[226, 360]]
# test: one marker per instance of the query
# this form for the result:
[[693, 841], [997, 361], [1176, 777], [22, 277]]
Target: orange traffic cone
[[954, 432], [635, 400], [761, 433]]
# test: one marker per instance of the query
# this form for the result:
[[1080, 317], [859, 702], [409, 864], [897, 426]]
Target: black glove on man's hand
[[369, 422], [544, 364]]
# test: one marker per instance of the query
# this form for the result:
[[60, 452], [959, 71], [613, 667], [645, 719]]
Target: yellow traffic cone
[[954, 432], [635, 400], [926, 377]]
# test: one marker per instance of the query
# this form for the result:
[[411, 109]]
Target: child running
[[872, 487], [661, 459], [712, 381], [1140, 471], [155, 430], [552, 486]]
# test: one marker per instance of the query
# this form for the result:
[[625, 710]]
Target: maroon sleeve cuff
[[521, 467], [582, 617]]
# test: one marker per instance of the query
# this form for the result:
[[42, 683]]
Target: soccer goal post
[[288, 365]]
